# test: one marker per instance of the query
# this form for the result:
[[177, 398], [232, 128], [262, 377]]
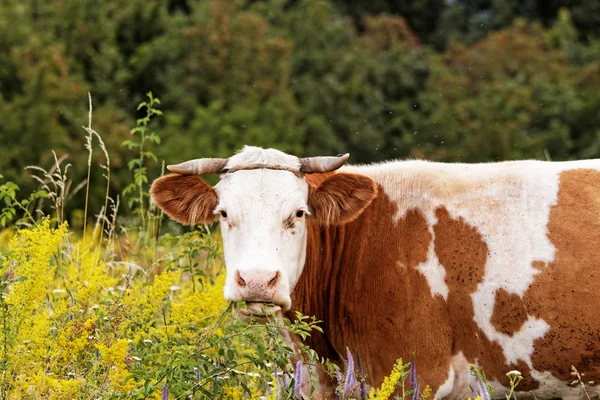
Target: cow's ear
[[341, 198], [185, 198]]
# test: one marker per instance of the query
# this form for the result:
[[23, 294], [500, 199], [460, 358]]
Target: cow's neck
[[347, 271], [355, 273], [316, 294], [313, 293]]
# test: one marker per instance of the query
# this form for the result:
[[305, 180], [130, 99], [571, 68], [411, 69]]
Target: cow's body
[[489, 264]]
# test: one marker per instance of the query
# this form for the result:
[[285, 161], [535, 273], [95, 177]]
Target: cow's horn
[[310, 165], [200, 166]]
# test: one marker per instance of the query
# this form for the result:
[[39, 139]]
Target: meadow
[[103, 297], [112, 307]]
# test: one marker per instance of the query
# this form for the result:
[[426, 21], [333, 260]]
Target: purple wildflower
[[198, 376], [483, 390], [338, 377], [350, 382], [284, 379], [413, 373], [298, 380], [363, 390], [416, 393], [165, 392]]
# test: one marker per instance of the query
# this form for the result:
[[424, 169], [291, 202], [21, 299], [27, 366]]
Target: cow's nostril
[[274, 280], [239, 279]]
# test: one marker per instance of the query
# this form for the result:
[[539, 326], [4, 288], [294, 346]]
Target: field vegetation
[[120, 308], [105, 298]]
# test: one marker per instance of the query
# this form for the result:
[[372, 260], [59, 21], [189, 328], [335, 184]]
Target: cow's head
[[263, 202]]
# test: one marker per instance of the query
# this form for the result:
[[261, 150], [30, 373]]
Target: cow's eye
[[299, 213], [223, 214]]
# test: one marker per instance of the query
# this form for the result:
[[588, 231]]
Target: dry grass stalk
[[89, 141], [56, 183], [579, 380]]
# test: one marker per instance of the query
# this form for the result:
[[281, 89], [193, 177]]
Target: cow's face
[[264, 204], [263, 223]]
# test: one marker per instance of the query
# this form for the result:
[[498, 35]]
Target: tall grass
[[125, 311]]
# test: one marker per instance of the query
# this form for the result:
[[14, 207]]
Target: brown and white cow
[[490, 264]]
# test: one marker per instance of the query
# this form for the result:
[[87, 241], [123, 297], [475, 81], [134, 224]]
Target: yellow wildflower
[[388, 387], [32, 250], [44, 386], [144, 306], [426, 392], [114, 358], [198, 307], [30, 321], [232, 393], [74, 338]]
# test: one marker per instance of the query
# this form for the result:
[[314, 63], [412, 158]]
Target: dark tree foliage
[[423, 16], [437, 21], [467, 80]]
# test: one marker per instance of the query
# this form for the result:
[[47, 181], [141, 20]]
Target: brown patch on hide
[[509, 312], [566, 292], [185, 198]]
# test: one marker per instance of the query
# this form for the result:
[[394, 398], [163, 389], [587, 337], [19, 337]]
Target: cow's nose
[[259, 286]]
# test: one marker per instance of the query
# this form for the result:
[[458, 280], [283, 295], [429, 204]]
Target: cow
[[495, 264]]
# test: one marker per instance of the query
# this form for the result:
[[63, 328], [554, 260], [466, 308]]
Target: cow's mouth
[[258, 310]]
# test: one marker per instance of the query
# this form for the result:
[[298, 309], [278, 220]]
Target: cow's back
[[494, 264]]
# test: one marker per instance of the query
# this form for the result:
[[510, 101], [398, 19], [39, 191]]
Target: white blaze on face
[[263, 224]]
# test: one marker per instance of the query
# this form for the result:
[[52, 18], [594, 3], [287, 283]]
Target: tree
[[512, 95]]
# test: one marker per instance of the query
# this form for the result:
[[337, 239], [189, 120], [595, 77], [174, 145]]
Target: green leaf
[[151, 155], [42, 194], [130, 144], [133, 163]]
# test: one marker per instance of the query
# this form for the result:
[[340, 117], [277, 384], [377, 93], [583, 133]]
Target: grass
[[124, 310]]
